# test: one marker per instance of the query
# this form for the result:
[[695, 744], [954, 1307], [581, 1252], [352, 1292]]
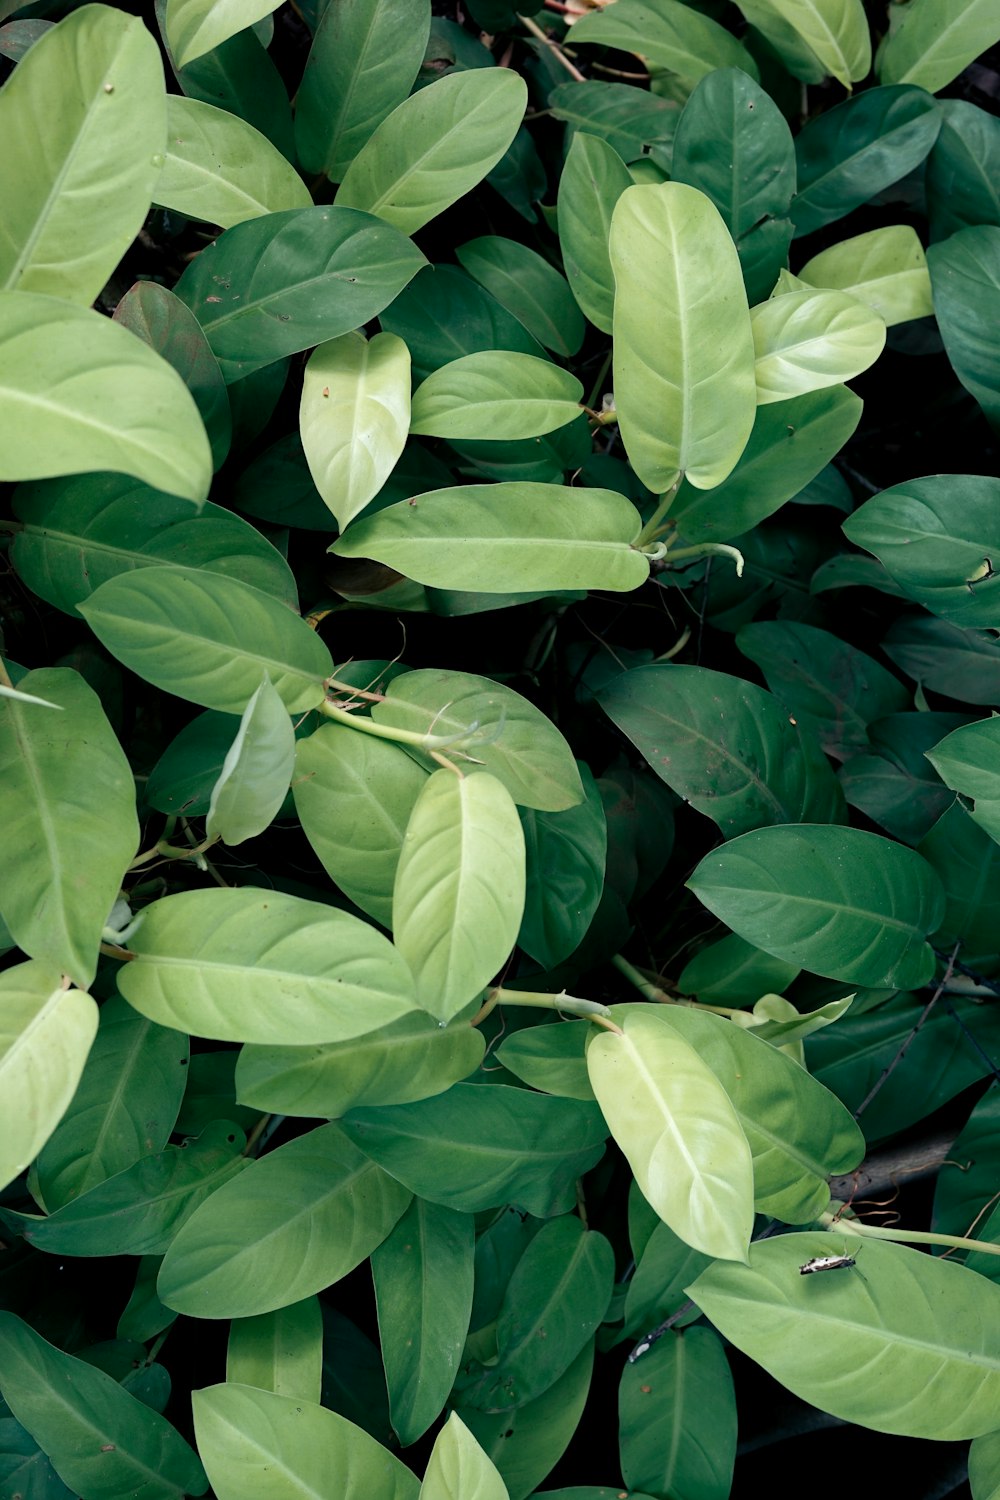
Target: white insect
[[827, 1263]]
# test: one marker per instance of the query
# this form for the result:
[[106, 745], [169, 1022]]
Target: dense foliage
[[500, 803]]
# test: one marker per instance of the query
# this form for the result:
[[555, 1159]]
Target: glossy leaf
[[683, 365], [423, 1293], [195, 27], [679, 1132], [294, 1221], [529, 287], [963, 170], [434, 147], [886, 269], [838, 901], [932, 42], [725, 746], [101, 1440], [566, 853], [593, 179], [85, 107], [71, 816], [733, 972], [495, 395], [677, 1417], [805, 341], [232, 634], [965, 278], [256, 772], [458, 1469], [260, 966], [503, 536], [220, 169], [928, 1322], [362, 64], [80, 393], [668, 36], [272, 286], [835, 32], [354, 418], [481, 1146], [277, 1447], [459, 891], [46, 1032], [280, 1351]]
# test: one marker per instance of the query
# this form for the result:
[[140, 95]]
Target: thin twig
[[894, 1064], [561, 58]]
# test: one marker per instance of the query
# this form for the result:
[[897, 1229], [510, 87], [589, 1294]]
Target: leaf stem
[[654, 528], [591, 1009], [906, 1236], [708, 549]]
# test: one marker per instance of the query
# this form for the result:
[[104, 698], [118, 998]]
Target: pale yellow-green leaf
[[885, 268], [495, 394], [256, 771], [931, 41], [220, 169], [280, 1351], [834, 31], [195, 27], [807, 340], [458, 1469]]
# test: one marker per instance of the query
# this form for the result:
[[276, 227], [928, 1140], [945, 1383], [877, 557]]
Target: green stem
[[591, 1009], [707, 549], [647, 990], [653, 527], [602, 372], [426, 742], [906, 1236]]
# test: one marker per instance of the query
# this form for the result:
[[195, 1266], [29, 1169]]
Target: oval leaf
[[804, 341], [886, 269], [280, 1351], [965, 278], [835, 32], [256, 771], [496, 395], [458, 1469], [593, 179], [195, 27], [677, 1417], [529, 287], [668, 36], [932, 41]]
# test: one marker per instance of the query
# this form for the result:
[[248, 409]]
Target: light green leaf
[[835, 32], [459, 893], [86, 108], [208, 638], [550, 1057], [932, 1328], [965, 280], [733, 972], [496, 395], [280, 1351], [499, 537], [220, 169], [80, 393], [195, 27], [270, 1447], [683, 348], [593, 179], [804, 341], [968, 760], [843, 903], [354, 418], [668, 36], [886, 269], [295, 1221], [423, 1293], [677, 1417], [70, 816], [256, 771], [362, 64], [260, 966], [46, 1032], [435, 146], [19, 697], [101, 1440], [984, 1467], [931, 41], [458, 1469], [680, 1133], [529, 287]]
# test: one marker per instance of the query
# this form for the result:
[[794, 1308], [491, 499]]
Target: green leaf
[[124, 1108], [280, 1351], [529, 287], [931, 41], [183, 777], [683, 369], [86, 107], [948, 660], [634, 124], [495, 395], [101, 1441], [724, 745], [967, 861], [668, 36], [77, 533], [220, 169], [850, 153], [964, 1190], [295, 1221], [256, 772], [678, 1130], [984, 1467], [444, 314], [965, 278], [968, 761], [931, 1326], [566, 853], [458, 1469], [733, 972], [435, 147], [81, 393], [593, 179], [46, 1033], [272, 286], [665, 1266], [195, 27], [260, 966], [354, 418], [550, 1057], [886, 269], [519, 745], [481, 1146], [207, 638], [276, 1447], [459, 892], [411, 1058], [963, 170], [499, 537], [835, 32], [805, 341], [677, 1417], [363, 62], [423, 1293], [789, 446], [843, 903], [70, 816]]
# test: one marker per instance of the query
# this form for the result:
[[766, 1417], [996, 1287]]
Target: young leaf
[[459, 893], [679, 1131], [458, 1469], [435, 147], [495, 395], [677, 1417], [668, 36], [354, 418], [835, 32], [280, 1351], [195, 27], [86, 107], [593, 179], [71, 816], [46, 1032], [683, 371], [527, 286], [260, 966], [80, 393], [965, 279], [932, 41], [805, 341], [886, 269]]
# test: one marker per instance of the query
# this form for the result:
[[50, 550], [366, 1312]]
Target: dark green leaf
[[443, 314], [965, 276], [677, 1417], [961, 664], [633, 123], [530, 288], [565, 861], [963, 170]]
